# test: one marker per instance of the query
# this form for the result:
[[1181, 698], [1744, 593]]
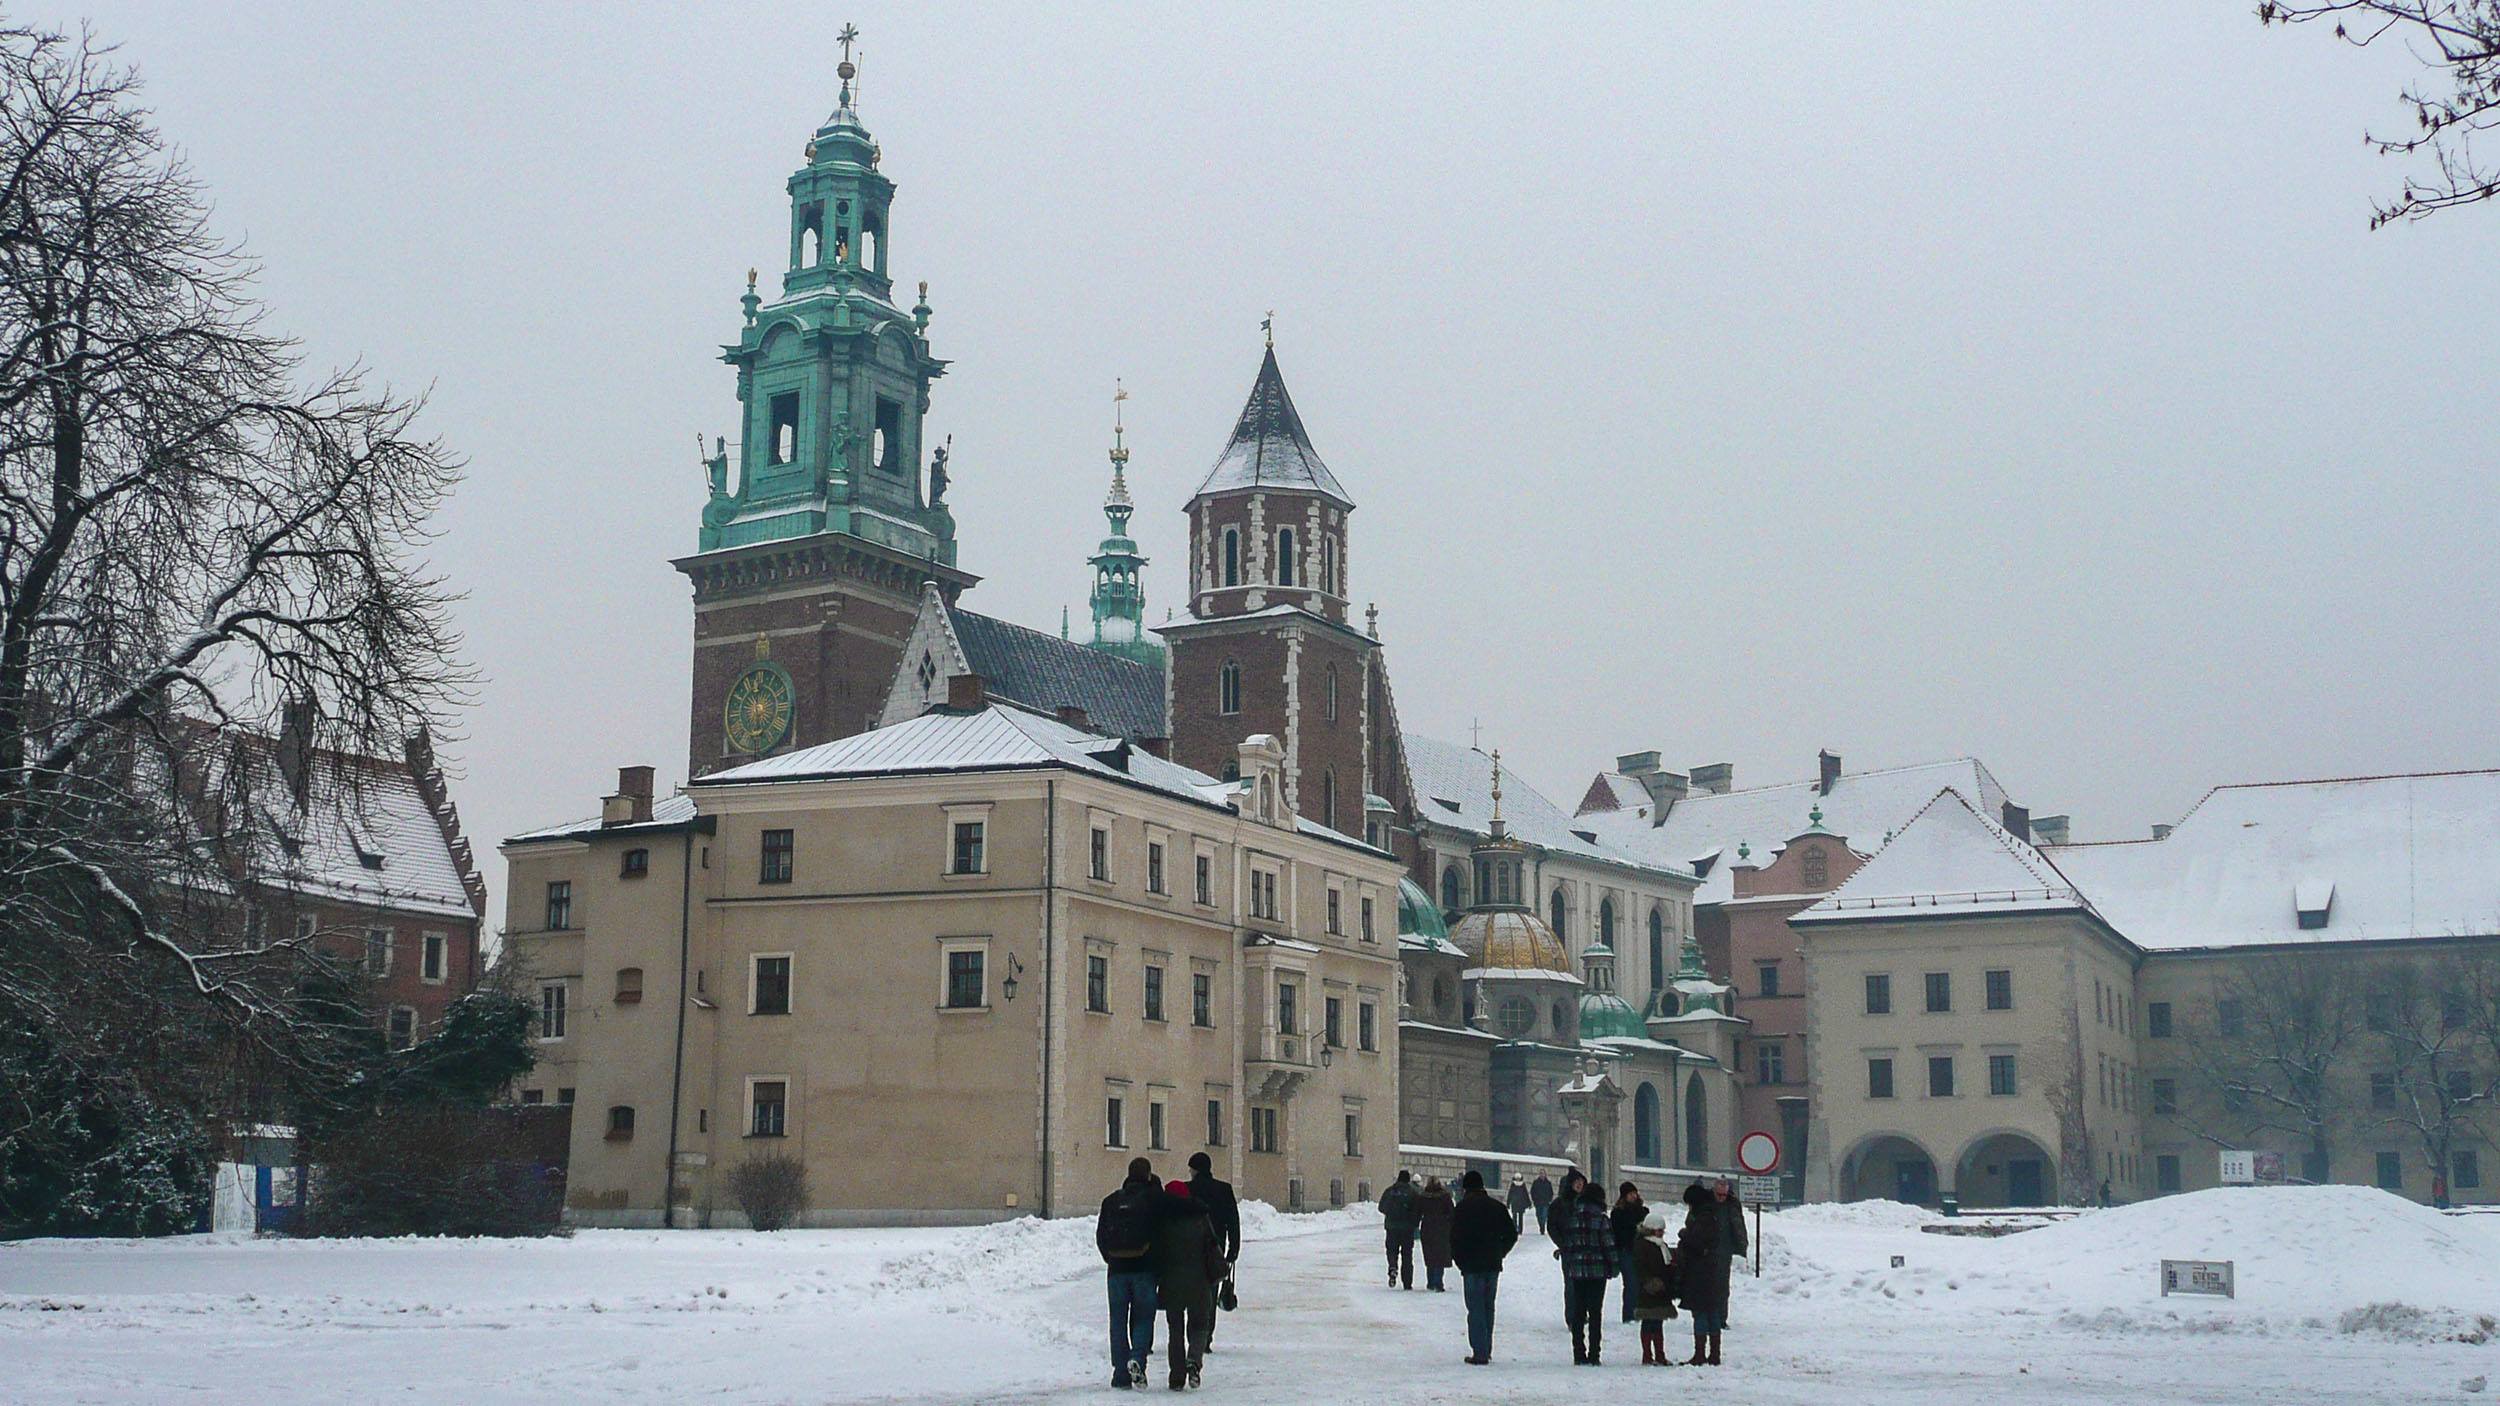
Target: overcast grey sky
[[2006, 379]]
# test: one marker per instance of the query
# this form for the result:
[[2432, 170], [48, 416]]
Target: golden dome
[[1511, 939]]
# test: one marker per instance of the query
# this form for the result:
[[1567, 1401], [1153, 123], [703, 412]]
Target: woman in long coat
[[1433, 1208], [1713, 1239]]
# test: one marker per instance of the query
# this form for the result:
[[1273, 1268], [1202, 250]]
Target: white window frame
[[413, 1026], [1115, 1095], [1158, 840], [390, 949], [1335, 912], [561, 1006], [434, 951], [1099, 824], [963, 813], [947, 948], [789, 1106], [790, 991], [306, 924], [1202, 854], [1158, 1120]]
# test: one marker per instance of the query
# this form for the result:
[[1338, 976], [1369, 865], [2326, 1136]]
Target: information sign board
[[2214, 1277]]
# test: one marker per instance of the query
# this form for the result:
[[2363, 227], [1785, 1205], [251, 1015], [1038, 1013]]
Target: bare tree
[[2078, 1169], [2430, 1025], [194, 539], [2458, 41], [2263, 1050]]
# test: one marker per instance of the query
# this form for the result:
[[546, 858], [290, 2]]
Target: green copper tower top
[[833, 378], [1119, 595]]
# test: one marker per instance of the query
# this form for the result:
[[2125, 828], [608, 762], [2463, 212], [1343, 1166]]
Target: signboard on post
[[1758, 1154], [2248, 1168], [1757, 1190], [2213, 1277]]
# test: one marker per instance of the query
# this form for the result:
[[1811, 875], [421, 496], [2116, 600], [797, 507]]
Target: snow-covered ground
[[2346, 1295]]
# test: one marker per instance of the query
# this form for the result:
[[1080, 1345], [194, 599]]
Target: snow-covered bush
[[771, 1190]]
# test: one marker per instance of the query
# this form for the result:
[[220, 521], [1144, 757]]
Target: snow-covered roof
[[1953, 859], [1454, 789], [365, 833], [2383, 857], [1863, 808], [1048, 673], [1269, 447], [1520, 974], [665, 812]]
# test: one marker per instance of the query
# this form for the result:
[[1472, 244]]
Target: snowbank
[[1882, 1215]]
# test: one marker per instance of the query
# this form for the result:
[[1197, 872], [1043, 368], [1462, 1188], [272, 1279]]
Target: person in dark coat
[[1627, 1216], [1651, 1287], [1124, 1233], [1223, 1213], [1564, 1195], [1541, 1196], [1519, 1204], [1433, 1208], [1398, 1223], [1713, 1239], [1188, 1264], [1480, 1236], [1584, 1240]]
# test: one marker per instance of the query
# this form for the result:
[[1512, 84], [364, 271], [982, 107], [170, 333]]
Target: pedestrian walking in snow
[[1626, 1217], [1398, 1224], [1124, 1232], [1713, 1239], [1433, 1209], [1188, 1264], [1481, 1234], [1519, 1204], [1224, 1213], [1651, 1288], [1569, 1192], [1584, 1240], [1541, 1195], [2105, 1193]]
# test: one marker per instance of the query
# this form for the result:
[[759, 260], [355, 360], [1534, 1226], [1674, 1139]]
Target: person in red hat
[[1189, 1263]]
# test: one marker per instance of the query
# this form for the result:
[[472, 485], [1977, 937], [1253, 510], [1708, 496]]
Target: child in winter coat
[[1653, 1291]]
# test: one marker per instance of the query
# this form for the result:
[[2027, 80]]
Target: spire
[[846, 70], [1117, 505], [1270, 448], [1119, 594], [1497, 792]]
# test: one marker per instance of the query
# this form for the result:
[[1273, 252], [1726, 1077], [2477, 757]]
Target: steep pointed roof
[[1949, 861], [1269, 447]]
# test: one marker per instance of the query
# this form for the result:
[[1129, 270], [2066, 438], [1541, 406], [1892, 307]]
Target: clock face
[[757, 715]]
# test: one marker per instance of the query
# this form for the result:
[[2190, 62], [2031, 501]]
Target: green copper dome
[[1606, 1016], [1418, 915]]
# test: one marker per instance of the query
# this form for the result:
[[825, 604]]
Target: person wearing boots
[[1541, 1196], [1627, 1216], [1223, 1212], [1650, 1288], [1584, 1240], [1398, 1222], [1519, 1207], [1433, 1208], [1712, 1241], [1188, 1264]]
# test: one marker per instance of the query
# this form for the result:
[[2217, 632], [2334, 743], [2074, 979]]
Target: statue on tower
[[937, 473]]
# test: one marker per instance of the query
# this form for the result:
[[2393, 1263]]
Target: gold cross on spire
[[1497, 783], [1119, 449]]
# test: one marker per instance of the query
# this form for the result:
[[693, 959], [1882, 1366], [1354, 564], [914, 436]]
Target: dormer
[[2313, 902], [1261, 793]]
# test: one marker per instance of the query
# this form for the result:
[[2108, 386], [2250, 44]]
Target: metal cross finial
[[848, 36], [1119, 446], [1475, 733], [1497, 783], [1267, 325]]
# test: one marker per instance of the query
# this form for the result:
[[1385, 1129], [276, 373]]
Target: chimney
[[2049, 830], [966, 693], [634, 783], [1156, 747], [1074, 717], [2161, 832], [2018, 821], [1714, 778], [1665, 787], [1827, 770], [295, 748]]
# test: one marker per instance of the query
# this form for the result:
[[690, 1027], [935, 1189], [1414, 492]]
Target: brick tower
[[809, 572]]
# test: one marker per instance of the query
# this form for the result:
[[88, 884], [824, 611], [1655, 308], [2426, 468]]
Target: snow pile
[[1030, 1252], [1869, 1215]]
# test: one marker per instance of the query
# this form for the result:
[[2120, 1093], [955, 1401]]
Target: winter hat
[[1201, 1162], [1696, 1195], [1654, 1224], [1177, 1188], [1474, 1180]]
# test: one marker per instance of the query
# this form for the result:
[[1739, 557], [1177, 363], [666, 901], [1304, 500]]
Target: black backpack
[[1126, 1228]]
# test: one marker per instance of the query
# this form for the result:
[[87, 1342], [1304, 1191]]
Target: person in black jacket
[[1584, 1240], [1712, 1241], [1187, 1261], [1223, 1210], [1627, 1216], [1540, 1195], [1124, 1231], [1399, 1219], [1519, 1203], [1564, 1198], [1481, 1234]]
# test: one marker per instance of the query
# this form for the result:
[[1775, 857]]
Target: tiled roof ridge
[[2222, 786], [1844, 776]]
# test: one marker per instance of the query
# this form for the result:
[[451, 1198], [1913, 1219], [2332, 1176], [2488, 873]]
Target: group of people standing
[[1596, 1243], [1170, 1247]]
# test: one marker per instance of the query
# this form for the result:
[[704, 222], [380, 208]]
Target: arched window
[[1515, 1016], [1232, 556], [1606, 921], [1645, 1126], [1657, 948], [1328, 798], [1453, 895], [1228, 688], [1284, 556], [1328, 691], [1555, 921], [1696, 1125]]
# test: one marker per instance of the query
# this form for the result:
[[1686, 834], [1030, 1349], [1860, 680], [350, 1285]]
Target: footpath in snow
[[2346, 1295]]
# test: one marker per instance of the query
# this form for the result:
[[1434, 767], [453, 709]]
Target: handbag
[[1224, 1297]]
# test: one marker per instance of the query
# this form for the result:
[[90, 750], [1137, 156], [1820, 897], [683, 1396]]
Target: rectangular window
[[1154, 993], [971, 840], [1098, 983], [434, 957], [1263, 1130], [2465, 1170], [1367, 1026], [2001, 1075], [621, 1123], [2166, 1172], [564, 1098], [1878, 993], [533, 1097], [2000, 990], [1288, 1008], [2391, 1171], [1770, 1062], [634, 864], [1098, 856], [559, 905], [1215, 1122], [1205, 891], [2378, 1011], [967, 979], [1368, 934], [1879, 1078], [784, 438], [2165, 1095], [305, 926], [1157, 1114], [1336, 913], [779, 854], [1940, 1076], [377, 951], [2157, 1019], [1767, 974], [1939, 991], [1154, 867], [768, 1108], [2227, 1018], [1202, 1000], [1115, 1122], [551, 1011], [768, 986], [403, 1027], [1354, 1135], [2382, 1091], [1335, 1010]]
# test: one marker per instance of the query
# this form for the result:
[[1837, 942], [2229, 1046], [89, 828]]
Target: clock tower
[[810, 565]]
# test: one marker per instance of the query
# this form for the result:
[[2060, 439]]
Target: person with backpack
[[1541, 1196], [1519, 1203], [1224, 1213], [1398, 1221], [1188, 1264], [1124, 1232], [1626, 1217], [1433, 1209], [1481, 1234], [1584, 1240]]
